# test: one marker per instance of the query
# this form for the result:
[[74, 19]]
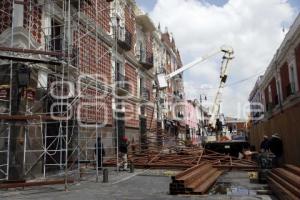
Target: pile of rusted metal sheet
[[170, 153], [186, 157], [285, 182], [195, 180]]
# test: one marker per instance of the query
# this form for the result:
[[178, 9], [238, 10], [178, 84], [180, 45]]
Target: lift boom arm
[[228, 56], [224, 49]]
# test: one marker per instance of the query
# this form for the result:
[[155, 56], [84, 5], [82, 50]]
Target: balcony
[[146, 59], [122, 84], [124, 38], [145, 94], [178, 96]]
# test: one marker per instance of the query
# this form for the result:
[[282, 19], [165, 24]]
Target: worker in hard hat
[[124, 151]]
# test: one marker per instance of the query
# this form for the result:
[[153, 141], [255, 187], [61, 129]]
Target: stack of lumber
[[285, 182], [195, 180]]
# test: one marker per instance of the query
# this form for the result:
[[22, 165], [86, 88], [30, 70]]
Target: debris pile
[[184, 158]]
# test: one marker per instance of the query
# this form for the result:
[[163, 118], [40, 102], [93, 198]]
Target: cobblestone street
[[140, 185]]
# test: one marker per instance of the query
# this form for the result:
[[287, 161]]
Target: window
[[119, 72], [56, 35], [292, 78], [119, 105], [277, 92], [270, 94], [142, 86]]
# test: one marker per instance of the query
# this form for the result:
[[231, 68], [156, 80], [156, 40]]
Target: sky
[[255, 29]]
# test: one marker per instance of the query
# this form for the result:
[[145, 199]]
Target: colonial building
[[192, 120], [74, 71], [278, 93]]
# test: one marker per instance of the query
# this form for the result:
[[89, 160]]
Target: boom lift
[[223, 78], [162, 79]]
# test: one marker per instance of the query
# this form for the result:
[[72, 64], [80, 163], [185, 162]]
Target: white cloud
[[253, 28]]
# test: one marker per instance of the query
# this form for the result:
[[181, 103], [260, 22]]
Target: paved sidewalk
[[140, 185]]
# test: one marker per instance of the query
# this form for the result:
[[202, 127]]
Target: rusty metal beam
[[281, 192], [196, 180], [34, 184]]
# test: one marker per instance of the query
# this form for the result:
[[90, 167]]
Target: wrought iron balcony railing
[[122, 82], [146, 59], [178, 95], [124, 38]]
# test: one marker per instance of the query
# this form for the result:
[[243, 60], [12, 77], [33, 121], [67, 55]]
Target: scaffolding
[[49, 136]]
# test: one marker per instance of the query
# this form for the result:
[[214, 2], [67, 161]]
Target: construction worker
[[276, 147], [124, 151], [264, 145], [219, 128], [99, 152]]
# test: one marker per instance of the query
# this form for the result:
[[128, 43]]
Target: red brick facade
[[131, 75], [89, 52], [90, 104], [131, 108], [150, 117], [103, 8], [149, 45], [5, 14], [131, 115], [93, 57], [130, 25], [95, 60], [33, 18]]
